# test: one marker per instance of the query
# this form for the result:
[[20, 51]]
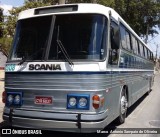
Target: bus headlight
[[17, 99], [78, 101], [82, 102], [72, 101], [10, 99], [14, 99]]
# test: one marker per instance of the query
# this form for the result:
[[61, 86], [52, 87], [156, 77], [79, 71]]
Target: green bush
[[5, 45]]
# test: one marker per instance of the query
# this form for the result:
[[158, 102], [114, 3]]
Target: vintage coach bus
[[75, 68]]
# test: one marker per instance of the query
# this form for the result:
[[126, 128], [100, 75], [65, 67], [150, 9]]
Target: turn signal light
[[96, 101]]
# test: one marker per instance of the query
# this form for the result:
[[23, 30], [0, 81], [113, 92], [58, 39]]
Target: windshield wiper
[[31, 56], [68, 59]]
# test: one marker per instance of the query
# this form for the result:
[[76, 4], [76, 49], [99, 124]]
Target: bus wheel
[[123, 107]]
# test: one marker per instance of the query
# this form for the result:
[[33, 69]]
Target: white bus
[[75, 68]]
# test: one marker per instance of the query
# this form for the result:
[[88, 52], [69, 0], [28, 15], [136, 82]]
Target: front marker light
[[82, 102], [72, 101]]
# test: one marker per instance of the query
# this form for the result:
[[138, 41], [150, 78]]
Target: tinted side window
[[128, 41], [141, 49], [138, 48], [116, 35], [134, 45], [152, 56], [115, 40], [145, 51], [125, 38], [148, 52]]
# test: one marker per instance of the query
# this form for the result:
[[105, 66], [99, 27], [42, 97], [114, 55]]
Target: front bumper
[[69, 122]]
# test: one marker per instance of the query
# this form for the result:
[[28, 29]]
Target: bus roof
[[63, 9]]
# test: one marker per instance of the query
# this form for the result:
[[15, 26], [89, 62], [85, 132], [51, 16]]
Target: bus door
[[113, 65]]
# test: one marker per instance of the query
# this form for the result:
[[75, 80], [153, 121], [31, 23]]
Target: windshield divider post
[[50, 37]]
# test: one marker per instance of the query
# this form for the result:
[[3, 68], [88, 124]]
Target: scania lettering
[[44, 67]]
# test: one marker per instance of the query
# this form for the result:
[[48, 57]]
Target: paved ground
[[143, 114]]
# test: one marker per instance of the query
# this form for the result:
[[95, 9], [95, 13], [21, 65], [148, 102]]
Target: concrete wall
[[3, 60]]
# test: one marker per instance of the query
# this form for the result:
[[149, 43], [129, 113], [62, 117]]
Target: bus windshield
[[83, 37]]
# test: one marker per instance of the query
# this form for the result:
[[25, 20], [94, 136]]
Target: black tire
[[150, 86], [123, 107]]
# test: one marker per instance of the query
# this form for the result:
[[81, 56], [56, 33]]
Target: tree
[[1, 22], [52, 2], [3, 42], [135, 11]]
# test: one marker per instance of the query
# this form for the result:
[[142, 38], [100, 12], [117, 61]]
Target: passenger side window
[[144, 52], [141, 49], [125, 38], [146, 55], [128, 41], [152, 56], [114, 39], [136, 46], [139, 52]]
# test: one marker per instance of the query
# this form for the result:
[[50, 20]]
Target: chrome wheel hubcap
[[124, 104]]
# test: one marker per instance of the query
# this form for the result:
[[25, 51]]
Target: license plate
[[43, 100]]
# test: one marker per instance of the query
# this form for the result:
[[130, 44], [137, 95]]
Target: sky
[[154, 41], [12, 2], [8, 4]]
